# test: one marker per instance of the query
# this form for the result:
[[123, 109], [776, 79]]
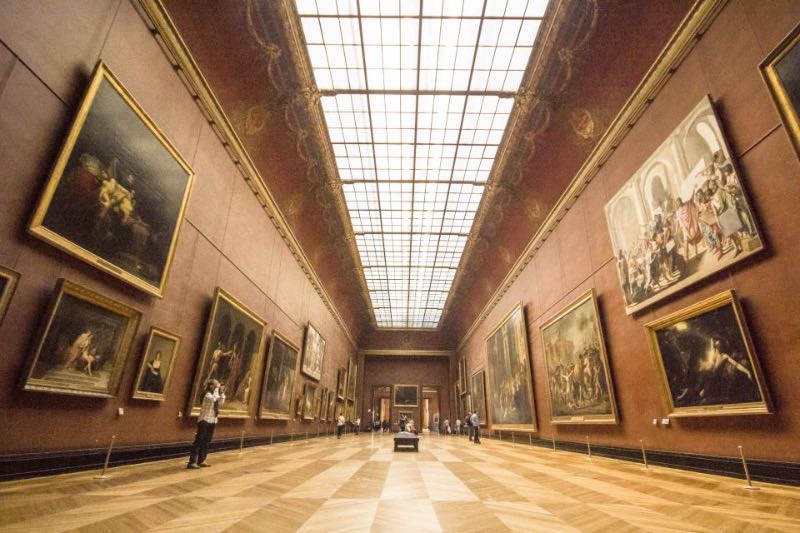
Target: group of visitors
[[470, 426]]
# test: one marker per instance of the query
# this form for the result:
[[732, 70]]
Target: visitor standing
[[475, 427], [213, 398], [339, 426]]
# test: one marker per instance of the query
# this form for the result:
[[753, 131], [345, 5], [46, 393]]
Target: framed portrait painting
[[706, 360], [781, 71], [232, 351], [309, 396], [118, 190], [8, 283], [578, 375], [155, 370], [406, 396], [510, 385], [313, 353], [683, 215], [280, 373], [83, 344], [478, 395]]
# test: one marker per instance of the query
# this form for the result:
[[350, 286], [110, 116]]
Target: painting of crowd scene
[[510, 386], [577, 366], [706, 360], [683, 215], [118, 190], [231, 354], [279, 377], [84, 343], [478, 388], [313, 353]]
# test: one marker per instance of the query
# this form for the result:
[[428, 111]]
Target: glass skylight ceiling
[[416, 96]]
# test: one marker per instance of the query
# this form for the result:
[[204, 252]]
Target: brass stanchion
[[589, 447], [108, 457], [554, 441], [241, 444], [530, 439], [513, 440], [644, 455], [746, 470], [270, 436]]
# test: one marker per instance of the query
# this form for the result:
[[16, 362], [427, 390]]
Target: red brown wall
[[48, 52], [578, 254], [427, 371]]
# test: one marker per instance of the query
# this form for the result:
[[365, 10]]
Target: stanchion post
[[744, 464], [108, 457], [241, 444], [553, 436], [513, 440], [530, 439], [270, 436], [644, 455], [589, 447]]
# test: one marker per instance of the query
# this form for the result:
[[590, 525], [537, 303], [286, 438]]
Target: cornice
[[155, 15], [409, 353], [691, 29]]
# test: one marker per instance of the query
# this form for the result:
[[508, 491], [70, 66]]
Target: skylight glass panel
[[417, 96]]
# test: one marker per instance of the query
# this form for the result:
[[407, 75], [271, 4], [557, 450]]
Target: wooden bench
[[406, 440]]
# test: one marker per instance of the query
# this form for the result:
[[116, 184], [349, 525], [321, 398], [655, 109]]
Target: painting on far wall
[[575, 356], [406, 396], [352, 373], [155, 370], [83, 344], [341, 383], [706, 360], [478, 395], [309, 397], [313, 353], [279, 377], [683, 215], [232, 351], [8, 283], [781, 70], [118, 190], [509, 386]]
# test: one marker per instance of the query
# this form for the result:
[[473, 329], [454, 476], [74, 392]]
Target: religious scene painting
[[155, 370], [578, 375], [341, 383], [509, 385], [313, 353], [83, 344], [478, 395], [309, 397], [8, 283], [781, 70], [232, 353], [279, 377], [352, 372], [707, 363], [406, 396], [118, 190], [683, 215]]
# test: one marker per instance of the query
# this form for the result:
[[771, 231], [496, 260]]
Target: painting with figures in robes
[[313, 353], [279, 377]]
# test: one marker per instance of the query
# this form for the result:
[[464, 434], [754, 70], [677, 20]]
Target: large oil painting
[[406, 396], [478, 395], [8, 283], [706, 360], [279, 377], [232, 351], [83, 344], [341, 383], [155, 370], [352, 373], [683, 215], [575, 356], [309, 397], [313, 353], [781, 70], [118, 190], [510, 385]]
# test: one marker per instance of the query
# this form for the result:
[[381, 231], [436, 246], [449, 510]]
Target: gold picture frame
[[309, 399], [462, 376], [579, 378], [8, 284], [155, 370], [405, 395], [341, 383], [779, 71], [478, 395], [280, 375], [313, 353], [233, 348], [706, 360], [83, 344], [509, 386], [352, 378], [118, 190]]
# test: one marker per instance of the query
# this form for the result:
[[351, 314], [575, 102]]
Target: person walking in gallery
[[340, 426], [213, 398], [475, 427], [357, 426], [458, 426], [447, 429], [468, 423]]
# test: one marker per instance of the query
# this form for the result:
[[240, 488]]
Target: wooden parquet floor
[[360, 484]]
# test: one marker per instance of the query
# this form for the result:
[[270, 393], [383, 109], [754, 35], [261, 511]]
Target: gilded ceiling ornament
[[255, 119], [533, 210], [582, 123], [294, 204], [525, 100], [505, 255]]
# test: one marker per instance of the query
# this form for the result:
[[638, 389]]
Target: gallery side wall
[[427, 371], [47, 53], [578, 255]]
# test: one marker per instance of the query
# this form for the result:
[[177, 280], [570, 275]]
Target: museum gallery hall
[[399, 265]]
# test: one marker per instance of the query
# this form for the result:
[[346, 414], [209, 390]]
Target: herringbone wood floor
[[360, 484]]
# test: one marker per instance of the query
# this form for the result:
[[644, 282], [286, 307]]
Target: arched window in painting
[[625, 223], [700, 144]]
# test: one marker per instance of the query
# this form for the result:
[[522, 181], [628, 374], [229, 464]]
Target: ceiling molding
[[155, 15], [691, 29], [409, 353]]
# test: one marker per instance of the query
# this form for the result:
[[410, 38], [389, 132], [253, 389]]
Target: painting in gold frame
[[478, 395], [232, 351], [510, 385], [331, 407], [455, 402], [313, 353], [352, 382], [341, 383], [155, 370], [463, 386], [8, 284], [706, 360], [323, 405], [280, 374], [781, 72], [579, 379], [405, 396], [83, 344], [118, 190], [309, 397]]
